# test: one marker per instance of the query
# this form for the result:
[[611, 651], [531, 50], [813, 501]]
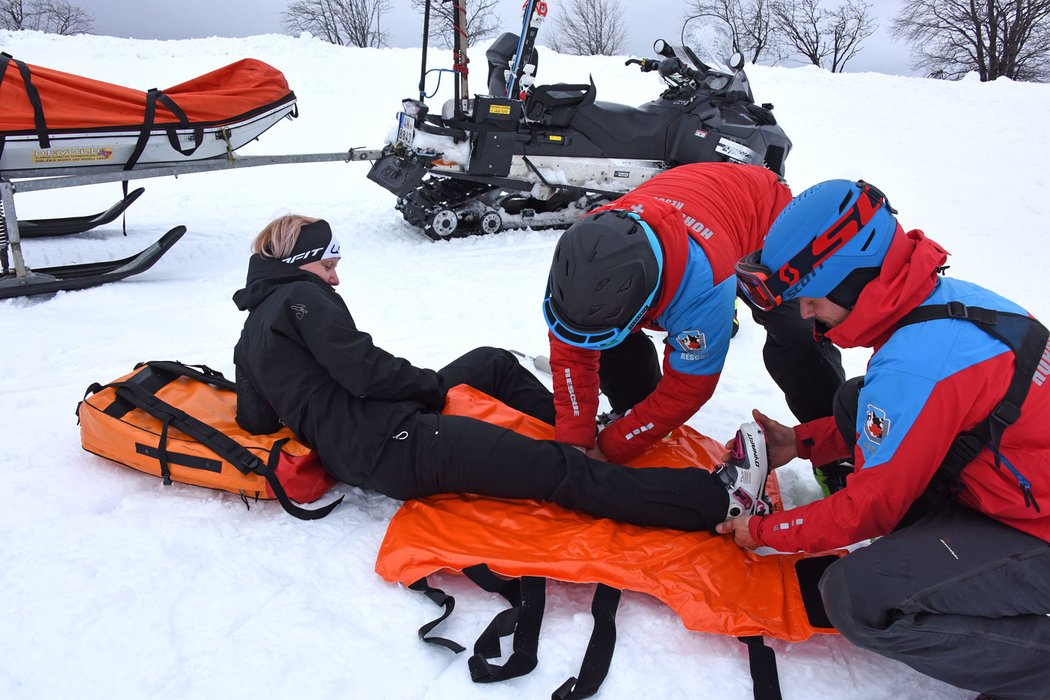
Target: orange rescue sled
[[52, 119]]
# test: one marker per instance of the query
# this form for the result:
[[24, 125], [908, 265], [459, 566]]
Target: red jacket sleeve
[[674, 401], [820, 441], [575, 375], [877, 497]]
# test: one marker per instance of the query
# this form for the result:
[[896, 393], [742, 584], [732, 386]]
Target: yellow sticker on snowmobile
[[499, 109], [555, 137], [71, 155]]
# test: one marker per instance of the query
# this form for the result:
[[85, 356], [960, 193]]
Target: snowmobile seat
[[554, 105], [634, 132], [499, 56]]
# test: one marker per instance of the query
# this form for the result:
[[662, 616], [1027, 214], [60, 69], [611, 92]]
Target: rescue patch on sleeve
[[691, 342], [876, 424]]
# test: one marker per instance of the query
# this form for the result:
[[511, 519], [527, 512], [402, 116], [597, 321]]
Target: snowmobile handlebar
[[646, 65]]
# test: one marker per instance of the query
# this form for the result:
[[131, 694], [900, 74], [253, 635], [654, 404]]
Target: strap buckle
[[956, 309], [1006, 413]]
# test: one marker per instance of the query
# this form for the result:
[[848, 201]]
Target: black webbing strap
[[1027, 339], [527, 596], [32, 93], [763, 662], [153, 96], [202, 373], [173, 136], [600, 647], [158, 374], [162, 450], [439, 597], [5, 60], [219, 443]]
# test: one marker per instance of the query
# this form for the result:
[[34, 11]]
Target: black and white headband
[[316, 242]]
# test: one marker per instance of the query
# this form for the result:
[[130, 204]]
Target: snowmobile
[[541, 156]]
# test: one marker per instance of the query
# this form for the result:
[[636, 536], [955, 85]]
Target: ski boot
[[744, 475]]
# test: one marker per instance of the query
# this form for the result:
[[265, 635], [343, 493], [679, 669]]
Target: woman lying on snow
[[375, 420]]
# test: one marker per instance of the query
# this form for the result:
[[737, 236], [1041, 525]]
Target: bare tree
[[51, 16], [342, 22], [589, 28], [826, 38], [996, 38], [481, 20], [745, 26]]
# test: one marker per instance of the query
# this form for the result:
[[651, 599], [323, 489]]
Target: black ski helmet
[[604, 278]]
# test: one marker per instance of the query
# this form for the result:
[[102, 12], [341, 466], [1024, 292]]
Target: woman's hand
[[738, 528], [780, 441]]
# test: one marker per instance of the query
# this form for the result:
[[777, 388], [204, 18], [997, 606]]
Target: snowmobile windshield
[[604, 338]]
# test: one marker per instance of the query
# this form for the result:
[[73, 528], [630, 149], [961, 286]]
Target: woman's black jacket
[[304, 356]]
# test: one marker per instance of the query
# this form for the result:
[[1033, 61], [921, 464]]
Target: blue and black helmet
[[828, 242], [604, 278]]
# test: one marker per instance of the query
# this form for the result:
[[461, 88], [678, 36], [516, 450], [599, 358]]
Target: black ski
[[47, 280], [39, 228]]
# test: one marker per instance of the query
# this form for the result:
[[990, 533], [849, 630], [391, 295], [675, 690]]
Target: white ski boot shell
[[744, 475]]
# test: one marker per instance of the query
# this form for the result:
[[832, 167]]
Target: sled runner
[[47, 280], [512, 547]]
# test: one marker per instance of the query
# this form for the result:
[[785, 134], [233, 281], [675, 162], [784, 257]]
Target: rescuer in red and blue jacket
[[948, 433], [662, 258]]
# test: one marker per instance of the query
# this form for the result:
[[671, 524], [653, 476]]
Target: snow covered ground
[[115, 586]]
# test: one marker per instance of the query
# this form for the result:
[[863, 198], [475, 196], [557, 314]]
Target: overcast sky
[[647, 20]]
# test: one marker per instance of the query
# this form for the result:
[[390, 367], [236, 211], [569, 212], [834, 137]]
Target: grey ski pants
[[957, 596]]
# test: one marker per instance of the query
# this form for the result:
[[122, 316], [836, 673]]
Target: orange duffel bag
[[512, 547], [178, 422]]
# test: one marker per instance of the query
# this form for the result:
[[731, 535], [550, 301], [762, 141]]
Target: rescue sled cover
[[39, 105], [713, 585], [178, 422]]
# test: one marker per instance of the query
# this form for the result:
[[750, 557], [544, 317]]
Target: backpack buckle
[[956, 309]]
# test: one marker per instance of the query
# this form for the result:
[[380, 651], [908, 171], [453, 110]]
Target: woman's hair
[[278, 237]]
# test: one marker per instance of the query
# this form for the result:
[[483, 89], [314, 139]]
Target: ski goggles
[[603, 339], [765, 289]]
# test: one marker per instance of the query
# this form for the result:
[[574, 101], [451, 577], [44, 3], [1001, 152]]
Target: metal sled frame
[[20, 280]]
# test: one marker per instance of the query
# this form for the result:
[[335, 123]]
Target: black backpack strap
[[448, 603], [600, 647], [158, 374], [763, 663], [202, 373], [32, 93], [527, 596], [1027, 339], [219, 443]]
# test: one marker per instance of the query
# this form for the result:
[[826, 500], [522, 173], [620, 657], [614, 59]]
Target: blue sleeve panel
[[699, 320], [904, 372]]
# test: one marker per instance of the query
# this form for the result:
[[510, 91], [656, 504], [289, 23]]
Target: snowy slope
[[114, 586]]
